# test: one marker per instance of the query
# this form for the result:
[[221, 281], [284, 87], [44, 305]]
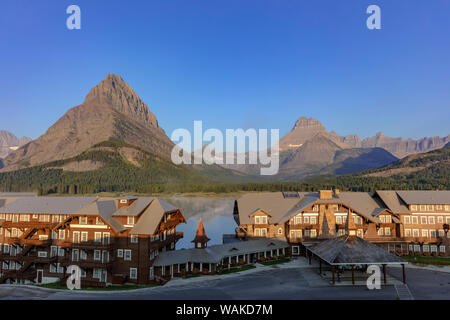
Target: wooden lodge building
[[112, 240], [402, 222]]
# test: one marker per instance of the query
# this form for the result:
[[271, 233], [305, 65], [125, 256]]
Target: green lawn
[[441, 261], [272, 262], [237, 269]]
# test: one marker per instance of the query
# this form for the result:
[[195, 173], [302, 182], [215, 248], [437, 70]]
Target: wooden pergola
[[352, 251]]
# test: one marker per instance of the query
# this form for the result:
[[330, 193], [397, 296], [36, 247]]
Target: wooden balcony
[[28, 224], [170, 238], [33, 242], [303, 226]]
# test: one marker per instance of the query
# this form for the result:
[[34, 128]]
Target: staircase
[[15, 274]]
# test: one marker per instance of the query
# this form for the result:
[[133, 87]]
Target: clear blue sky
[[233, 63]]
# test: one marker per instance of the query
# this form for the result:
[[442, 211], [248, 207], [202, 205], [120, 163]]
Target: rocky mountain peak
[[304, 122], [114, 92]]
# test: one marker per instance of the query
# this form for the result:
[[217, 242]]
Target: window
[[442, 249], [441, 233], [360, 233], [408, 233], [42, 254], [133, 273], [423, 220], [439, 207], [413, 207], [440, 219], [306, 220], [388, 219], [83, 220], [387, 231], [53, 251], [422, 207], [447, 207], [295, 234], [96, 273], [424, 233], [280, 231], [447, 219], [298, 219], [98, 237], [263, 232], [381, 232], [84, 236], [313, 233], [127, 256], [60, 268], [431, 220], [24, 217], [60, 252], [415, 232], [426, 248], [307, 233], [430, 207], [106, 237], [315, 208], [61, 234], [433, 233], [433, 248], [295, 250], [54, 235], [15, 218], [83, 255], [338, 220], [407, 220], [6, 248], [52, 268], [75, 254], [313, 220], [382, 219], [76, 236], [335, 207], [120, 253], [134, 238], [415, 220], [55, 219], [416, 248], [83, 273], [99, 221], [130, 221], [97, 255]]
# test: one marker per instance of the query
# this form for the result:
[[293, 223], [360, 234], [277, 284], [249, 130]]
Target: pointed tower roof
[[350, 224], [200, 236]]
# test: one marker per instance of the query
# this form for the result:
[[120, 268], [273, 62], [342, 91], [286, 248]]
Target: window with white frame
[[447, 219], [440, 219], [83, 255], [76, 236], [75, 255], [408, 233], [96, 273], [426, 248], [306, 220], [84, 236], [133, 273], [60, 252], [313, 233], [313, 220], [106, 237], [425, 233], [6, 248], [441, 233], [52, 268], [430, 207], [415, 220], [413, 207], [388, 219], [416, 248], [423, 207], [447, 207], [423, 220], [295, 250], [82, 273], [433, 248], [382, 219], [61, 234], [295, 234], [280, 231], [298, 219], [98, 237], [441, 249], [53, 251], [307, 233], [387, 231], [42, 254], [127, 255], [97, 255], [99, 221], [407, 220], [433, 233], [130, 221], [439, 207], [338, 220], [120, 253], [381, 231], [134, 238], [431, 220], [83, 220]]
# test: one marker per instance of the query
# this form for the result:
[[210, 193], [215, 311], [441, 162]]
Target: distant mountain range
[[113, 142], [304, 129], [9, 143]]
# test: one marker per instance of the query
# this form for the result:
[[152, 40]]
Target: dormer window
[[123, 201], [315, 208], [414, 207], [83, 220], [260, 220]]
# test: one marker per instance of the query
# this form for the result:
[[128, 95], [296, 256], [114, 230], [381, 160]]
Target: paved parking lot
[[294, 282]]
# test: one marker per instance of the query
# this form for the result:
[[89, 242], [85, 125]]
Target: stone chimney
[[325, 194], [350, 228]]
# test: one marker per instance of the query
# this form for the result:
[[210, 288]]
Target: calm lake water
[[216, 214]]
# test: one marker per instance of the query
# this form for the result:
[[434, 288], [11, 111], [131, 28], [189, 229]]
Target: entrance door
[[40, 274]]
